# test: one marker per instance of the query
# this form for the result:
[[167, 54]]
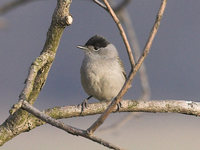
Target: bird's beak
[[82, 47]]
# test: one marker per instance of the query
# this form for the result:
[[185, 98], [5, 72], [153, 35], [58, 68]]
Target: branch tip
[[69, 20]]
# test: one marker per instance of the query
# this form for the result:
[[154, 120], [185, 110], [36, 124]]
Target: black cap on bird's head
[[97, 41], [98, 45]]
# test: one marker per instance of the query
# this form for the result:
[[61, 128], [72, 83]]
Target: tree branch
[[133, 71], [124, 17], [38, 73], [117, 9], [67, 128], [127, 84], [126, 20], [100, 4], [19, 121], [153, 106], [122, 32], [146, 91]]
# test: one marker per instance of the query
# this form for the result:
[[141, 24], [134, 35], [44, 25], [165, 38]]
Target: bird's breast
[[102, 79]]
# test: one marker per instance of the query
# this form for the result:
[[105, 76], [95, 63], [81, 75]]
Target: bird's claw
[[119, 105], [84, 105]]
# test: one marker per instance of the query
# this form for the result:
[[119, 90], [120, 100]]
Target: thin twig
[[67, 128], [124, 17], [126, 20], [122, 32], [146, 91], [133, 71], [100, 4], [117, 99], [117, 9]]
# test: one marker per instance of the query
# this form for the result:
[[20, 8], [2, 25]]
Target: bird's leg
[[84, 104], [119, 105]]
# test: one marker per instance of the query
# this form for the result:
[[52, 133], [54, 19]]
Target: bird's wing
[[122, 67]]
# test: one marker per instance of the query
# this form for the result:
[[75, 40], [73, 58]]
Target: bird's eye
[[96, 48]]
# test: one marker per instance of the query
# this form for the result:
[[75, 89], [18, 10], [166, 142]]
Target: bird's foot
[[84, 104], [119, 105]]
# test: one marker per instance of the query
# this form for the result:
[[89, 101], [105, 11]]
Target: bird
[[102, 71]]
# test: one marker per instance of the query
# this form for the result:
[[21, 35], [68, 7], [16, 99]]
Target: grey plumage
[[102, 71]]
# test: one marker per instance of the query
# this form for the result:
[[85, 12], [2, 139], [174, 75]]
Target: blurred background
[[172, 67]]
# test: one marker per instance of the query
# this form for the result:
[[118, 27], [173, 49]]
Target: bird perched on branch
[[102, 71]]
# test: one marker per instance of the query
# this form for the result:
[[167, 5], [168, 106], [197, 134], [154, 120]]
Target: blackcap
[[102, 71]]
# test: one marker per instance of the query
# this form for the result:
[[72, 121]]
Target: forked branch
[[38, 72]]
